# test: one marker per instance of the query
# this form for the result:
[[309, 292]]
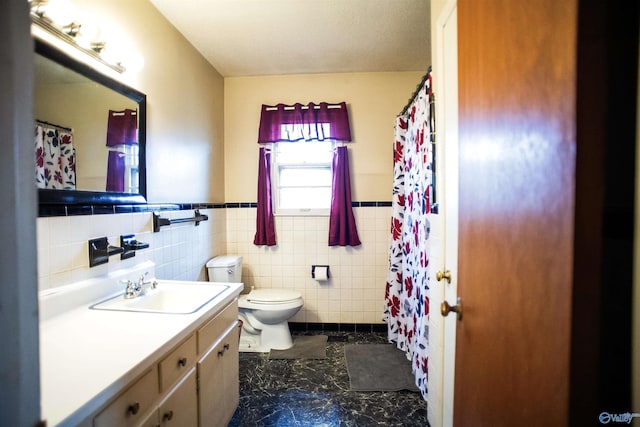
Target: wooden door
[[517, 66]]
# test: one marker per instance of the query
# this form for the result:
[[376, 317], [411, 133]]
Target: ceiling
[[273, 37]]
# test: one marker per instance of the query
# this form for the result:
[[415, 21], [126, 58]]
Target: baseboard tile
[[338, 327]]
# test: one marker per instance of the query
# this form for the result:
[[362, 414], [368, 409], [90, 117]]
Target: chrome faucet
[[135, 289]]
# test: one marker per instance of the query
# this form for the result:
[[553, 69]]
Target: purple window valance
[[122, 128], [290, 123]]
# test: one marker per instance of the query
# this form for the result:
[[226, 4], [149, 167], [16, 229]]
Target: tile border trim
[[53, 210], [338, 327]]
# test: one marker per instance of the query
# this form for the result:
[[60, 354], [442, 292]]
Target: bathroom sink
[[169, 298]]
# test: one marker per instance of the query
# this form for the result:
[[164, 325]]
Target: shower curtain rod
[[54, 125], [417, 91]]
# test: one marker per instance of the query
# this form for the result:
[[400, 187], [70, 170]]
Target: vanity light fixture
[[72, 29], [69, 32], [38, 6], [98, 46]]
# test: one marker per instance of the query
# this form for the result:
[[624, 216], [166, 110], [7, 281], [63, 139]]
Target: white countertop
[[87, 355]]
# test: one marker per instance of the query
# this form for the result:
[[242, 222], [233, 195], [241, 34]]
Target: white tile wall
[[354, 293], [180, 251]]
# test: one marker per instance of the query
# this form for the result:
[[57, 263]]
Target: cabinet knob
[[182, 362], [134, 408], [167, 416]]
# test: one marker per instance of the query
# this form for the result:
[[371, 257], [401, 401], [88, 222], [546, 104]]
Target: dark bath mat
[[304, 347], [378, 367]]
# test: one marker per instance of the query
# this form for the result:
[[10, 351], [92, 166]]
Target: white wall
[[373, 100], [185, 97], [19, 373]]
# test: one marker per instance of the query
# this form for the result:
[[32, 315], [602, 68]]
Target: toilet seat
[[272, 296]]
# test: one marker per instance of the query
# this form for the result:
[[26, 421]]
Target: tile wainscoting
[[355, 291], [354, 294], [180, 251]]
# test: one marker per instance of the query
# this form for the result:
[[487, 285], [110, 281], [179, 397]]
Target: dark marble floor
[[307, 392]]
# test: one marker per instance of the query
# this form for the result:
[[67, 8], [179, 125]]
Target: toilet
[[264, 312]]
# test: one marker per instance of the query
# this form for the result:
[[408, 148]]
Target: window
[[126, 168], [131, 163], [297, 171], [302, 177]]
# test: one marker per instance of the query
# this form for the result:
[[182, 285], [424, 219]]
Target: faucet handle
[[130, 289]]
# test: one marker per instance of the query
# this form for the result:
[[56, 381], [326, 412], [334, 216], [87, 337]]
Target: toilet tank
[[227, 268]]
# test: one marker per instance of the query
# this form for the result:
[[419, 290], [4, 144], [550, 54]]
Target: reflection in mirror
[[90, 133]]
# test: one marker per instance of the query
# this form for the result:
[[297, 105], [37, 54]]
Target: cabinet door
[[180, 408], [218, 394], [231, 371]]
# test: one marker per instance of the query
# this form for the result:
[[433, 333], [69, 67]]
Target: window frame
[[275, 180]]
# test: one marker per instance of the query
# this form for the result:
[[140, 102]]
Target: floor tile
[[315, 392]]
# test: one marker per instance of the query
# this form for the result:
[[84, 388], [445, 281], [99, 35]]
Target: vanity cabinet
[[218, 392], [193, 384]]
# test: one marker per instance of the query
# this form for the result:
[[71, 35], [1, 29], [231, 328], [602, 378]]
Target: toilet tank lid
[[225, 261], [273, 295]]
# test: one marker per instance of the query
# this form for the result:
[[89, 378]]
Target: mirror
[[74, 102]]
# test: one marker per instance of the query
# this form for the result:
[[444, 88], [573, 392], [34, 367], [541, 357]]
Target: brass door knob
[[445, 308], [443, 275]]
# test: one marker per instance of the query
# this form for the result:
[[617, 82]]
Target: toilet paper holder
[[313, 270]]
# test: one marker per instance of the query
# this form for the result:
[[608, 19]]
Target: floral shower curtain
[[55, 157], [407, 292]]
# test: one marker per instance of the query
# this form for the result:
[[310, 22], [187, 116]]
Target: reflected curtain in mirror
[[55, 157], [122, 140]]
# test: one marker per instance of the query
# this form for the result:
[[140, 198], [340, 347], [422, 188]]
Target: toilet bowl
[[264, 312]]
